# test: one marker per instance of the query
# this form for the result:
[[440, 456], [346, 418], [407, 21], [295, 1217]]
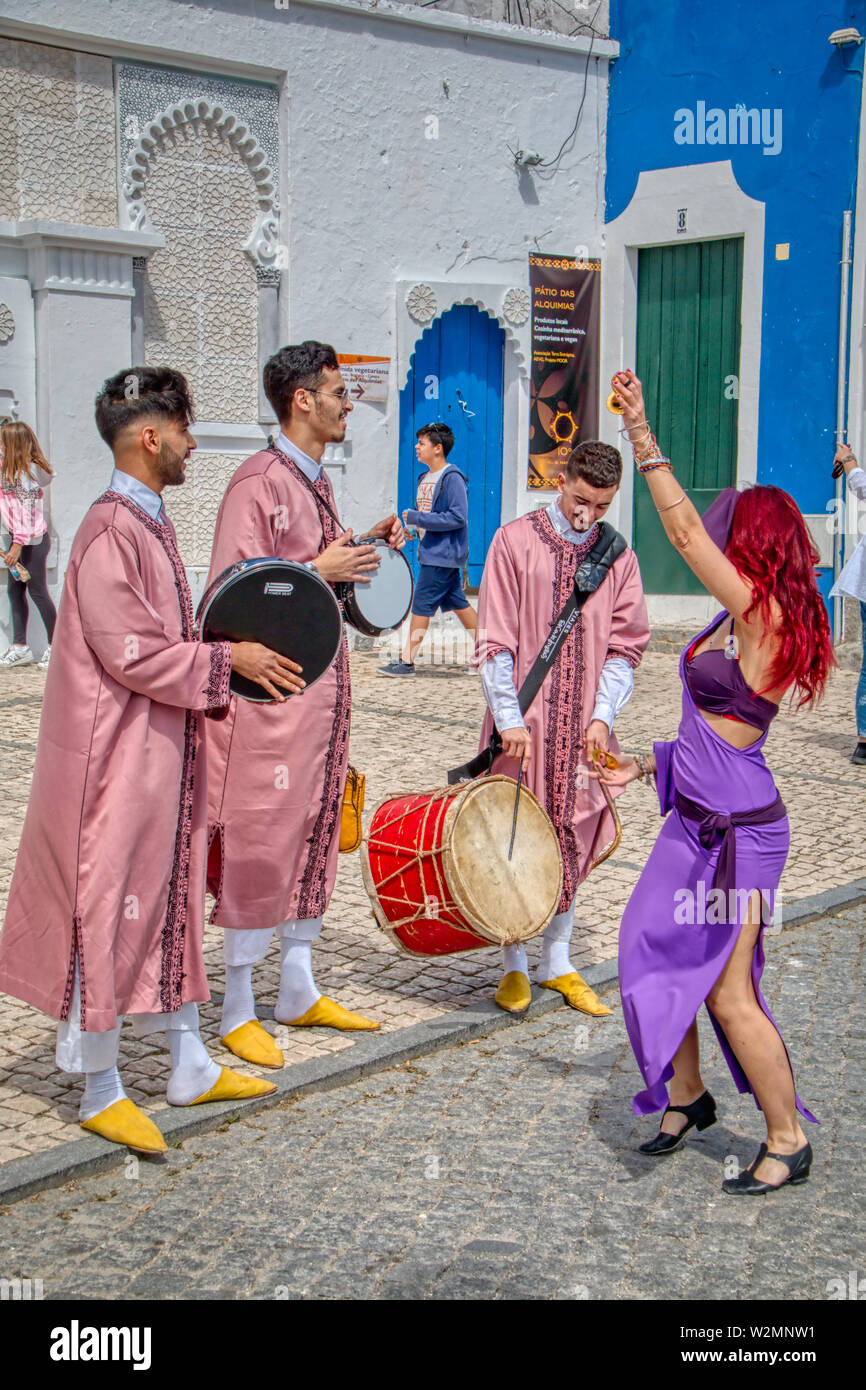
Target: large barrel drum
[[437, 871]]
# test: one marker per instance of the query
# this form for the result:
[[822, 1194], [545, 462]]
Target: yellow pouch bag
[[353, 805]]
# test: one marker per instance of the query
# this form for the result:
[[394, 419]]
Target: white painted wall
[[369, 200]]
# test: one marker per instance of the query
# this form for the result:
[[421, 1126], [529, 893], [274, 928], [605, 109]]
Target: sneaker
[[398, 668], [17, 656], [858, 757], [44, 659]]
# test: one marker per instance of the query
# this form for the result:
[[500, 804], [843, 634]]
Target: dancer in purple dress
[[693, 929]]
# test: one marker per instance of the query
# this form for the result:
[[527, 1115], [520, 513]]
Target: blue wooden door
[[456, 376]]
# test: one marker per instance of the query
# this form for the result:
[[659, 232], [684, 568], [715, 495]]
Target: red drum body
[[436, 869]]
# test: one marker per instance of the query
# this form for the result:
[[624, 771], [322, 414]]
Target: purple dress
[[678, 930]]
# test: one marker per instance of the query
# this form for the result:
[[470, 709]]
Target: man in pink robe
[[105, 913], [277, 772], [528, 576]]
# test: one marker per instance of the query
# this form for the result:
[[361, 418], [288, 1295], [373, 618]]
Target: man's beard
[[169, 466], [335, 430]]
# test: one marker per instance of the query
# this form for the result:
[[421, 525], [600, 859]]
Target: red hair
[[773, 551]]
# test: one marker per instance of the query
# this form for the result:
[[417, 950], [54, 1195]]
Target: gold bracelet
[[672, 504]]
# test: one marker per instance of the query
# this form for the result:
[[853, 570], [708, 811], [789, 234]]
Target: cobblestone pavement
[[504, 1168], [405, 735]]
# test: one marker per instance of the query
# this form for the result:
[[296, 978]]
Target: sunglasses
[[341, 396]]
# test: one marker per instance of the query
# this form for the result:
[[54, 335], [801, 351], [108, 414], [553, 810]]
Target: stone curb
[[24, 1177]]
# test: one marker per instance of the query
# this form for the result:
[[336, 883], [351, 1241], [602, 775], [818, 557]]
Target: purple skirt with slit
[[677, 931]]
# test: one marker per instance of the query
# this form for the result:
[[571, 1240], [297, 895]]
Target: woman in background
[[24, 471], [693, 930]]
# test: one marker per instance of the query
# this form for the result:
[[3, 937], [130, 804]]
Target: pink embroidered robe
[[276, 771], [528, 576], [112, 856]]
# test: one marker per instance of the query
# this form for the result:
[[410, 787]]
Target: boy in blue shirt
[[442, 513]]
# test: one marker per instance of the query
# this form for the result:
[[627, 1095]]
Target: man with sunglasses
[[276, 772]]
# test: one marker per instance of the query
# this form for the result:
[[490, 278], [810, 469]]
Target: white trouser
[[77, 1051], [560, 927], [555, 943], [247, 946]]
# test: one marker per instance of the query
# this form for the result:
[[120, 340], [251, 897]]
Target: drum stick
[[516, 805]]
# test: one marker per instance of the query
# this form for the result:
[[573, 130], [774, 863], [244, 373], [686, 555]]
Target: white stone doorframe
[[715, 207], [421, 300]]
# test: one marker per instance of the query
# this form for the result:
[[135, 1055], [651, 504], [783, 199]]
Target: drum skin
[[279, 603], [371, 612], [436, 870]]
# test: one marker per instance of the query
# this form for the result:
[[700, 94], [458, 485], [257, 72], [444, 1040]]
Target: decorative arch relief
[[263, 244], [420, 302]]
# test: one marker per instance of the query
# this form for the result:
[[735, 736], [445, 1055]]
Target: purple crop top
[[718, 686]]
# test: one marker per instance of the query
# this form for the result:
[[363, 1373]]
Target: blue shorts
[[438, 586]]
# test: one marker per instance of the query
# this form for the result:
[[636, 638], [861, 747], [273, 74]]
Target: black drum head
[[283, 605]]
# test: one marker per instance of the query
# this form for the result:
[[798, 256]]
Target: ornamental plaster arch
[[263, 246], [452, 298], [431, 298]]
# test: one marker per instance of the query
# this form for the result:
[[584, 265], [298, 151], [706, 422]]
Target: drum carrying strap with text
[[590, 575]]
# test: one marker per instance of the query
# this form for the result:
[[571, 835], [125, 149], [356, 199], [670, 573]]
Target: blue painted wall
[[771, 54]]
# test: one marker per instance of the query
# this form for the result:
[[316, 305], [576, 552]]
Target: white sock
[[556, 946], [193, 1071], [101, 1089], [297, 987], [515, 959], [239, 1005]]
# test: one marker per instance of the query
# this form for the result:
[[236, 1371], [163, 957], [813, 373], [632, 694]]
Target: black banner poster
[[564, 383]]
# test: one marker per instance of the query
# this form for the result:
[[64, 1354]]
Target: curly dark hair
[[301, 364], [137, 392], [595, 463]]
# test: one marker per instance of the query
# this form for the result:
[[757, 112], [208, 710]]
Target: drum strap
[[590, 575]]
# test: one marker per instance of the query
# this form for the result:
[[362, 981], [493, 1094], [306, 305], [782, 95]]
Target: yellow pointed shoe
[[124, 1123], [253, 1043], [230, 1085], [576, 992], [325, 1013], [514, 993]]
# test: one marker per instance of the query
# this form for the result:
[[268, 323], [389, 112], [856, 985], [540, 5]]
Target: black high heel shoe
[[701, 1114], [746, 1184]]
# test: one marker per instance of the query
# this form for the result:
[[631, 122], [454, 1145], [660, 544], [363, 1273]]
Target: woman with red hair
[[693, 929]]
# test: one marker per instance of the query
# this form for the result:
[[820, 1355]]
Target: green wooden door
[[688, 358]]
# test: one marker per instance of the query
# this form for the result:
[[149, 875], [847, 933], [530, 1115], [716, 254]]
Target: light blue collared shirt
[[308, 466], [139, 493], [565, 528]]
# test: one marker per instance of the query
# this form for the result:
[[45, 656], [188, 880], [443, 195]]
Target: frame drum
[[279, 603], [384, 602], [437, 871]]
